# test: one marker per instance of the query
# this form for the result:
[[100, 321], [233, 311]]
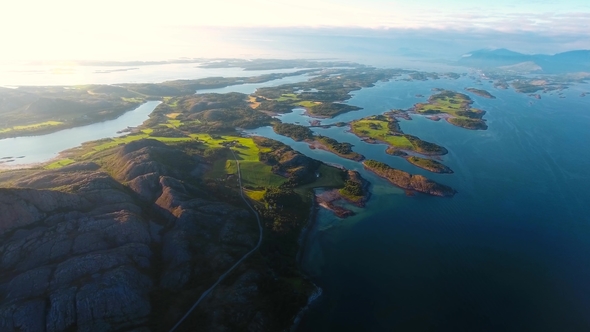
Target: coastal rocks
[[395, 152], [429, 165], [355, 192], [408, 181], [331, 200]]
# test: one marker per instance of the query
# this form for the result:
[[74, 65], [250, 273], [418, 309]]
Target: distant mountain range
[[567, 62]]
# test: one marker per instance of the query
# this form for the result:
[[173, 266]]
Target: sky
[[131, 29]]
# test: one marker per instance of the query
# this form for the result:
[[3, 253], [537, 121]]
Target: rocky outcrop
[[408, 181], [287, 162], [81, 251], [73, 260]]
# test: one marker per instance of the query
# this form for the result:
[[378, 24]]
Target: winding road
[[220, 279]]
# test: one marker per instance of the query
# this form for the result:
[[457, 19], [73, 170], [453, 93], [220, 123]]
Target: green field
[[60, 163], [453, 103], [255, 174], [444, 106], [173, 123], [256, 195], [287, 96], [97, 146], [378, 130], [329, 177], [32, 126], [307, 103]]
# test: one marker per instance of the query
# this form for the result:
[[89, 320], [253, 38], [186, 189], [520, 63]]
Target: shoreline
[[408, 181], [304, 238], [314, 144], [303, 245], [47, 130]]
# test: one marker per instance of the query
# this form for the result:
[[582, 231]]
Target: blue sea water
[[508, 253]]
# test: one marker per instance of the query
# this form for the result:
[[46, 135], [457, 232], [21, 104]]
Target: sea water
[[508, 253]]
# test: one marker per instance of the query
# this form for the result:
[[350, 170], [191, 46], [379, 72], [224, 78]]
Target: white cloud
[[132, 28]]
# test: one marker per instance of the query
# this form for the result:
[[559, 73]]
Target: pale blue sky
[[82, 29]]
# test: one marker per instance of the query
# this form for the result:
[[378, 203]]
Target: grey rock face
[[86, 259], [80, 261]]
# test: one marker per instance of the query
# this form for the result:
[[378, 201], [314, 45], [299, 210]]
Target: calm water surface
[[36, 149], [68, 74], [508, 253], [249, 88]]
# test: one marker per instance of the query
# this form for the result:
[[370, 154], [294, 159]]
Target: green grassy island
[[429, 164], [408, 181], [481, 93], [381, 128], [455, 107]]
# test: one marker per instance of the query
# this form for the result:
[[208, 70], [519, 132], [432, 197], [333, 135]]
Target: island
[[481, 93], [455, 107], [429, 164], [385, 129], [408, 181]]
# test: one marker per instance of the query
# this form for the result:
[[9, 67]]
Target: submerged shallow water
[[508, 252]]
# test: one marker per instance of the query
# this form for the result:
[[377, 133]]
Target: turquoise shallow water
[[509, 252]]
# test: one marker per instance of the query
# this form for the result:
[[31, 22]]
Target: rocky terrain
[[127, 245], [408, 181]]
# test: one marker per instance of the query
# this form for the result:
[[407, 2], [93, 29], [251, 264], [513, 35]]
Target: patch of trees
[[472, 113], [332, 109], [203, 102], [352, 188], [343, 148], [296, 132], [276, 106], [469, 123], [163, 131], [223, 120], [424, 146]]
